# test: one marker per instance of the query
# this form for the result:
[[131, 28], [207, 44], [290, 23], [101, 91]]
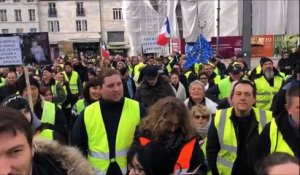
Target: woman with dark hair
[[152, 159], [278, 163], [91, 93], [168, 122]]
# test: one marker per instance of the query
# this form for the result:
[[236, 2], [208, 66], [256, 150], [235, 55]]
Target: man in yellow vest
[[74, 81], [212, 76], [234, 131], [51, 116], [268, 82], [282, 134], [104, 130]]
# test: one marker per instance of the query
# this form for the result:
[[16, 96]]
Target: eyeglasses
[[201, 116]]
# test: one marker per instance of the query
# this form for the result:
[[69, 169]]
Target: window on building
[[52, 10], [16, 0], [31, 14], [3, 15], [4, 31], [33, 30], [80, 9], [117, 14], [30, 0], [18, 15], [53, 26], [81, 25], [115, 36], [19, 30], [2, 0]]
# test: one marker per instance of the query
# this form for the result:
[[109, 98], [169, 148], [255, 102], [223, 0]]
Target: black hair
[[12, 120], [86, 90], [277, 158], [244, 82]]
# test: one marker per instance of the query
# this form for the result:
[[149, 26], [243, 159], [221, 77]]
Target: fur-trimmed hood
[[70, 158]]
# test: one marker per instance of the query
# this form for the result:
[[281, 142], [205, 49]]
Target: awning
[[85, 40], [118, 47]]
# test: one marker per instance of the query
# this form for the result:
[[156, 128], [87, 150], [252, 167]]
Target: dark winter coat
[[148, 95]]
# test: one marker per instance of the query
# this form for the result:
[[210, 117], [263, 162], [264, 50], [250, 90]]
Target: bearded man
[[268, 82]]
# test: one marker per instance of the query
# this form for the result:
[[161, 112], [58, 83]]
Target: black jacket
[[111, 114], [148, 95], [245, 154], [125, 87], [6, 91], [174, 149], [287, 132]]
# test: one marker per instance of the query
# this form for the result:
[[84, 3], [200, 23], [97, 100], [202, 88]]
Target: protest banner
[[10, 51]]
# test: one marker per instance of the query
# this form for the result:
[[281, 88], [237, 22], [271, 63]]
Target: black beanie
[[264, 59], [22, 83], [48, 68]]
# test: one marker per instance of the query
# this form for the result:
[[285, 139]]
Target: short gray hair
[[196, 82]]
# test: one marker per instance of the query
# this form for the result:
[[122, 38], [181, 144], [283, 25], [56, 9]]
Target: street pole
[[201, 32], [247, 31], [218, 27]]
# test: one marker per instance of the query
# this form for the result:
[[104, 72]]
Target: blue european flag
[[198, 52]]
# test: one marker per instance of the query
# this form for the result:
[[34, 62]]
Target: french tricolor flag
[[164, 35], [104, 51]]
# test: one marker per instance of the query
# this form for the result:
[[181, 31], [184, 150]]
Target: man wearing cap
[[222, 90], [153, 87], [267, 82], [51, 116], [47, 79]]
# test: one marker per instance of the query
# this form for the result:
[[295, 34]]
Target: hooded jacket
[[51, 158]]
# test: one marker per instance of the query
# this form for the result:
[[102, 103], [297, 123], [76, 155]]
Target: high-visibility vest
[[265, 92], [73, 82], [2, 81], [183, 161], [224, 87], [98, 153], [48, 118], [227, 138], [217, 79], [278, 144], [137, 70], [187, 74], [80, 105]]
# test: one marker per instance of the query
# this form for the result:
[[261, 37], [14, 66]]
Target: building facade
[[19, 16], [71, 22], [113, 27]]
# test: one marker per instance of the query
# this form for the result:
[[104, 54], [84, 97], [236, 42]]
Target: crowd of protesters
[[146, 115]]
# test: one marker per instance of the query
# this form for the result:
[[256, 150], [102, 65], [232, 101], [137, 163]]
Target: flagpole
[[201, 32]]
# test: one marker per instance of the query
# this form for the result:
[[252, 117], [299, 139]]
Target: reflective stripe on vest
[[227, 138], [224, 87], [97, 136], [265, 92], [278, 144], [183, 162], [72, 82], [144, 141], [48, 117]]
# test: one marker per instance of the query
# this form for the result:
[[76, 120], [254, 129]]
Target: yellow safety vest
[[72, 82], [98, 154], [2, 83], [278, 144], [227, 138], [48, 117], [80, 106], [224, 87], [217, 79], [137, 71], [265, 92]]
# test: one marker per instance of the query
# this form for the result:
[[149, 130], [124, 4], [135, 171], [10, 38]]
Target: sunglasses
[[201, 116]]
